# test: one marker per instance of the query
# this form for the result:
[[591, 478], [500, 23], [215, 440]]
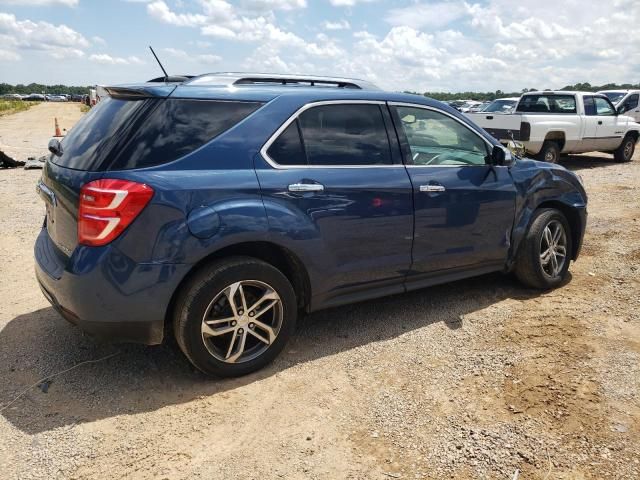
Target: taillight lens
[[107, 207]]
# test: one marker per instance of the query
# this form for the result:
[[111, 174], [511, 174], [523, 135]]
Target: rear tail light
[[107, 207]]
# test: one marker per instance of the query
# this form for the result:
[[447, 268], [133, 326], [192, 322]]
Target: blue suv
[[216, 208]]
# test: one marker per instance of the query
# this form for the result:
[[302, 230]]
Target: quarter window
[[437, 139], [287, 149]]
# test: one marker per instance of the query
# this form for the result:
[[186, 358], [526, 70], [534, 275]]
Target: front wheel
[[624, 152], [235, 316], [544, 255]]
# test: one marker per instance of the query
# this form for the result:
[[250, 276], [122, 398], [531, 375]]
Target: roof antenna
[[166, 77]]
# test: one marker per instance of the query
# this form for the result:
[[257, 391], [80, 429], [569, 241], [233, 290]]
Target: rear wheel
[[624, 152], [544, 255], [550, 152], [235, 316]]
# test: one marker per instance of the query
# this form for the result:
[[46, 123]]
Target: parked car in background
[[502, 105], [479, 108], [279, 195], [626, 101], [56, 98], [12, 96], [467, 106], [550, 123], [34, 97]]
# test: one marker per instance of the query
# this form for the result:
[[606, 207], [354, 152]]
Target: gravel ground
[[476, 379]]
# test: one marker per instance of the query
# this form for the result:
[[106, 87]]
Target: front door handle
[[306, 187], [432, 188]]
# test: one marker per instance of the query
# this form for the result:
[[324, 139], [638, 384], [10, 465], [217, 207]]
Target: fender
[[539, 186]]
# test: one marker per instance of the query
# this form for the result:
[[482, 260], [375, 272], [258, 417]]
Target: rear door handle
[[432, 188], [599, 122], [306, 187]]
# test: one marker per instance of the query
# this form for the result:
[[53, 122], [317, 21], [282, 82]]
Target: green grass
[[7, 107], [84, 108]]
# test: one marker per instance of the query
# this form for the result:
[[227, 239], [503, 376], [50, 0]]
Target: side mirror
[[621, 109], [501, 156], [55, 147]]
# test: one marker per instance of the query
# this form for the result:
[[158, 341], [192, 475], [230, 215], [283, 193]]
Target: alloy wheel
[[242, 321], [553, 248]]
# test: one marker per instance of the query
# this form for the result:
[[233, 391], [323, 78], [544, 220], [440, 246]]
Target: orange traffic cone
[[58, 133]]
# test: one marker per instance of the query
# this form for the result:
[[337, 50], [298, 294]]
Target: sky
[[441, 45]]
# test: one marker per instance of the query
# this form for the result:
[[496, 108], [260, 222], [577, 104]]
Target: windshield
[[615, 97], [501, 106]]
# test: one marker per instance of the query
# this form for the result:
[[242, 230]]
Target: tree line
[[40, 88], [482, 96]]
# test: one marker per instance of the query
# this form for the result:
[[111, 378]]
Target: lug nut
[[252, 325], [240, 331], [240, 312], [251, 314], [234, 323]]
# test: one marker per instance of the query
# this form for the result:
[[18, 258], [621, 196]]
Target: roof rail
[[278, 79]]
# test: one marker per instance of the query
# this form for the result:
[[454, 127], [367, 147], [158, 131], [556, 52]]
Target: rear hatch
[[135, 127]]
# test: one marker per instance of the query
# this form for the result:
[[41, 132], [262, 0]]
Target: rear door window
[[547, 104], [345, 134], [122, 134]]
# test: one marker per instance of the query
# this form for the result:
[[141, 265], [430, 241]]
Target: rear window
[[547, 104], [122, 134]]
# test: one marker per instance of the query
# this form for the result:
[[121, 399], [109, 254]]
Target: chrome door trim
[[432, 188], [306, 187]]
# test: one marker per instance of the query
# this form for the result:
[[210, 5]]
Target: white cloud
[[107, 59], [339, 25], [433, 15], [348, 3], [59, 40], [40, 3], [161, 11], [267, 5], [98, 40], [9, 56], [204, 58]]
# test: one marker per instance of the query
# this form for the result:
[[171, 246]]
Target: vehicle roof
[[622, 90], [559, 92], [266, 93], [513, 99]]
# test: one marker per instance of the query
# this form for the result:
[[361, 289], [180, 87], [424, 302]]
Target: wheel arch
[[557, 136], [573, 217], [276, 255]]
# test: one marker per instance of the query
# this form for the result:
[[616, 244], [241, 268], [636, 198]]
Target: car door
[[334, 188], [611, 128], [464, 207], [632, 107]]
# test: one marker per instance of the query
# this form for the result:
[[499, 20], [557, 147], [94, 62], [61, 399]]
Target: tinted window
[[345, 135], [615, 97], [124, 134], [547, 104], [631, 102], [287, 149], [603, 107], [437, 139], [589, 106]]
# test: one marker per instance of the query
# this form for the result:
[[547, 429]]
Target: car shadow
[[587, 162], [140, 379]]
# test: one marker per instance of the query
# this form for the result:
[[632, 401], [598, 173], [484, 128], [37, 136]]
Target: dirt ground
[[476, 379]]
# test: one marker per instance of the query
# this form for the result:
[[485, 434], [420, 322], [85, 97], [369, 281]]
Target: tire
[[624, 153], [550, 152], [207, 295], [530, 267]]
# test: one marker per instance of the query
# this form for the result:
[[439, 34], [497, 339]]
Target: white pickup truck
[[550, 123]]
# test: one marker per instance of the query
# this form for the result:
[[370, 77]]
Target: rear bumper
[[106, 294]]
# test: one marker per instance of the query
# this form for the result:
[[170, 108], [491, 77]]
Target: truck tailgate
[[501, 125]]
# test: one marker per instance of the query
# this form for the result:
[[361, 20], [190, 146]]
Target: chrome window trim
[[296, 114]]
